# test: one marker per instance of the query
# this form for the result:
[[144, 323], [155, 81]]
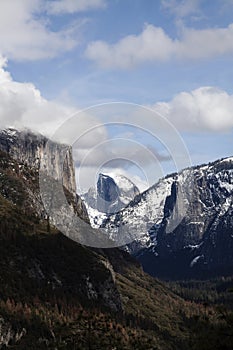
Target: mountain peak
[[113, 192], [107, 191]]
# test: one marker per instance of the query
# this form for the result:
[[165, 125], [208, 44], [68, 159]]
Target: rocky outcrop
[[35, 150], [33, 153], [107, 194]]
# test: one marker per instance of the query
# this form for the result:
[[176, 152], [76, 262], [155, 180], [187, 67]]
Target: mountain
[[112, 194], [53, 187], [182, 226], [29, 151], [126, 188], [58, 294]]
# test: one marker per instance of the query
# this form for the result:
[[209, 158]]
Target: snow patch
[[195, 260]]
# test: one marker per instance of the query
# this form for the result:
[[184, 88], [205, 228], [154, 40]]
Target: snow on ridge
[[228, 159], [124, 183], [96, 217], [10, 131]]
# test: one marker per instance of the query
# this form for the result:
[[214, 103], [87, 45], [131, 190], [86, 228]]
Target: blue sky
[[173, 56]]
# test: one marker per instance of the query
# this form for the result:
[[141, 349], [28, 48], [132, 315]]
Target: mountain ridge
[[166, 223]]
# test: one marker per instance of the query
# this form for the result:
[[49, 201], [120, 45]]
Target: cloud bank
[[154, 45], [203, 109], [25, 32], [21, 105]]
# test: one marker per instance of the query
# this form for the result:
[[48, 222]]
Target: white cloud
[[4, 75], [72, 6], [153, 44], [21, 105], [203, 109], [25, 33], [112, 153], [197, 44]]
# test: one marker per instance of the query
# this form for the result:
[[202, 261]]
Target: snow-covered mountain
[[111, 195], [183, 224]]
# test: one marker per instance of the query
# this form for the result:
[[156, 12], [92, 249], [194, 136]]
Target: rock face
[[32, 151], [111, 195], [107, 194], [184, 223]]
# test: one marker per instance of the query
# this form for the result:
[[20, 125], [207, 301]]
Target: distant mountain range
[[183, 225]]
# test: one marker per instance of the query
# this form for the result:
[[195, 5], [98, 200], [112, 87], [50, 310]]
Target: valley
[[58, 294]]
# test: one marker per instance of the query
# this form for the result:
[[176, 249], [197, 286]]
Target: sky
[[141, 88]]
